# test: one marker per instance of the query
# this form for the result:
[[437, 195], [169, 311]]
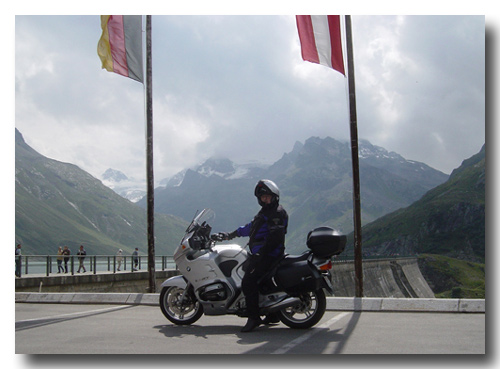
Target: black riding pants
[[256, 268]]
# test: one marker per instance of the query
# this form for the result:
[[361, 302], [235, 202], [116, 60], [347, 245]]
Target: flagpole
[[358, 263], [149, 159]]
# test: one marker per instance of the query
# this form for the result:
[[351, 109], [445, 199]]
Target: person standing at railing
[[18, 260], [119, 258], [81, 257], [60, 260], [135, 256], [66, 252]]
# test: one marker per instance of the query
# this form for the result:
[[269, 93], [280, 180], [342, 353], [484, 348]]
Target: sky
[[237, 87]]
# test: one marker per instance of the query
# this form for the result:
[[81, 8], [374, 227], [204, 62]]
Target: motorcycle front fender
[[177, 281]]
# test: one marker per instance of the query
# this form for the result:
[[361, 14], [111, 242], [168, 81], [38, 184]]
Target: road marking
[[81, 313], [308, 334]]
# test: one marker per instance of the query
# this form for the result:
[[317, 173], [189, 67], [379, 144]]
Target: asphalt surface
[[142, 329]]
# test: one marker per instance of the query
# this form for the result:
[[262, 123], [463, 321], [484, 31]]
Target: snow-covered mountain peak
[[124, 186], [113, 175], [221, 167]]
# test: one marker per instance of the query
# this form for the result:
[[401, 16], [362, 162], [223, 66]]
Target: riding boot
[[252, 302], [252, 323]]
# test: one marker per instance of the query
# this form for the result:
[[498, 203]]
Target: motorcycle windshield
[[204, 216]]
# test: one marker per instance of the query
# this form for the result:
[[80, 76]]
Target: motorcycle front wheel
[[179, 310], [307, 313]]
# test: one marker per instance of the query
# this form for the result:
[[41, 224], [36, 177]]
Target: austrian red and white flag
[[320, 40]]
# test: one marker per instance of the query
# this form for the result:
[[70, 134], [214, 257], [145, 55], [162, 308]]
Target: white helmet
[[267, 187]]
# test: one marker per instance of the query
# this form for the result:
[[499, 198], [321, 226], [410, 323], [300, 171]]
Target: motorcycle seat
[[289, 259]]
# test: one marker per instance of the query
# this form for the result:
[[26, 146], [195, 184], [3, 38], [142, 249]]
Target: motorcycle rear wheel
[[177, 311], [308, 313]]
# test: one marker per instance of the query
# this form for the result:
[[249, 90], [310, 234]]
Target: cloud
[[425, 81], [236, 86]]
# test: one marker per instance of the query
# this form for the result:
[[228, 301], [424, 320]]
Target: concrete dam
[[382, 278], [399, 278]]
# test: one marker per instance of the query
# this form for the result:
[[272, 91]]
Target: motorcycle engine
[[213, 292]]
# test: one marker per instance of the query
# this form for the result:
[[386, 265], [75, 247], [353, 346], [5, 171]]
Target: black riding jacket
[[266, 231]]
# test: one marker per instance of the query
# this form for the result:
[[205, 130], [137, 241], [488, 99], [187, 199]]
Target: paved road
[[116, 329]]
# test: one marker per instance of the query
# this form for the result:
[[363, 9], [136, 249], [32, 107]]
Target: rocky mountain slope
[[315, 180], [448, 220], [59, 204]]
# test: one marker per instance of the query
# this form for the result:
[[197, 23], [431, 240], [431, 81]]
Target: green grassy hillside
[[58, 204], [453, 278]]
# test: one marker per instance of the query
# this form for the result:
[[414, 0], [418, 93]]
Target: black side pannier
[[326, 242], [298, 277]]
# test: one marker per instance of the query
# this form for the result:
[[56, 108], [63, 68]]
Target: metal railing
[[55, 264]]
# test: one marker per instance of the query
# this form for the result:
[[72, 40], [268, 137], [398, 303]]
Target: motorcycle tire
[[180, 313], [308, 313]]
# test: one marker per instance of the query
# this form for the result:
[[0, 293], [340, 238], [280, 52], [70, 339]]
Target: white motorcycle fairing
[[177, 281], [215, 275]]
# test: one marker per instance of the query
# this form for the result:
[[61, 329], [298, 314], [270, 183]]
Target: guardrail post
[[48, 265]]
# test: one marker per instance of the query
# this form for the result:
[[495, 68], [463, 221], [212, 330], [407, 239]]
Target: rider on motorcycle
[[267, 243]]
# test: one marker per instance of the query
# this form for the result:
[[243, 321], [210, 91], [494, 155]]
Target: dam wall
[[398, 278], [136, 282]]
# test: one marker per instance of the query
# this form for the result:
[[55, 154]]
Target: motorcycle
[[211, 275]]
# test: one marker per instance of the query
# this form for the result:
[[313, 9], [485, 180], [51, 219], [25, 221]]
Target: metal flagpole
[[358, 263], [149, 159]]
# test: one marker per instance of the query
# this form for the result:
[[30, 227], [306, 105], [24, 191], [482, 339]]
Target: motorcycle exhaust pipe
[[286, 303]]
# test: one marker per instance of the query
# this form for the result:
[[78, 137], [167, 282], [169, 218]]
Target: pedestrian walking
[[66, 254], [81, 257], [18, 260], [60, 260], [119, 258], [135, 256]]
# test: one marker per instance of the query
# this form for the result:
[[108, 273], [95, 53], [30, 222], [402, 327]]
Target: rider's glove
[[232, 235], [223, 236]]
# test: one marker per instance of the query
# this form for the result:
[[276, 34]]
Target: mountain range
[[59, 204], [407, 207], [315, 180], [448, 220]]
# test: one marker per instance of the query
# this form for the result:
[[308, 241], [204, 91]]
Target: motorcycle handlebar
[[217, 237]]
